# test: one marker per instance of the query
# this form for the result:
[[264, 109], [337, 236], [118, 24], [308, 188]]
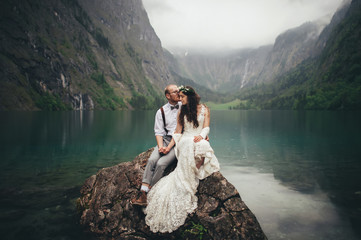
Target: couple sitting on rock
[[181, 128]]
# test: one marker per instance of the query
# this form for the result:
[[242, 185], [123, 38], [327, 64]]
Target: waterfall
[[81, 102], [245, 74], [78, 101], [63, 80]]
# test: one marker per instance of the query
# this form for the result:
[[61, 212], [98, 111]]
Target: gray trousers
[[157, 163]]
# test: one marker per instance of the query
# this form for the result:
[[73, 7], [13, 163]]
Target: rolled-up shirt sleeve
[[159, 125]]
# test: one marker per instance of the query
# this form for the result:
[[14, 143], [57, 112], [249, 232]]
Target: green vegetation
[[244, 105], [329, 82], [12, 94], [105, 96], [224, 106], [206, 94], [133, 54], [98, 78], [61, 43], [139, 101], [91, 58], [196, 229], [50, 102], [103, 41], [142, 102]]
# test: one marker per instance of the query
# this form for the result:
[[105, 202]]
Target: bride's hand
[[197, 138]]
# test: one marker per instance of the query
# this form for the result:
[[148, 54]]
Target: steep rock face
[[126, 22], [298, 44], [222, 71], [330, 81], [30, 64], [290, 49], [336, 19], [232, 72], [248, 67], [72, 54], [106, 210]]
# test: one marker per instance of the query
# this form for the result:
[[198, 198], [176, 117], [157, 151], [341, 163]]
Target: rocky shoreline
[[107, 213]]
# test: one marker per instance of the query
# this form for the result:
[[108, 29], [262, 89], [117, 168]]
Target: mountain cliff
[[290, 49], [92, 54], [331, 80], [71, 54], [223, 72], [249, 67]]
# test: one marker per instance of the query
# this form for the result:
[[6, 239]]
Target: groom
[[163, 154]]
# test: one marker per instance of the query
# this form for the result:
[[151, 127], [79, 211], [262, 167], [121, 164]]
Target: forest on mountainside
[[331, 81], [83, 55]]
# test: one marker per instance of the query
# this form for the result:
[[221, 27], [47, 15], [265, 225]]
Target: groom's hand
[[161, 150], [166, 151]]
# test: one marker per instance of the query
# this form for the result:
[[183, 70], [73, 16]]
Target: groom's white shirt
[[170, 120]]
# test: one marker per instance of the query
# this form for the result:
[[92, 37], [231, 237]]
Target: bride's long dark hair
[[189, 110]]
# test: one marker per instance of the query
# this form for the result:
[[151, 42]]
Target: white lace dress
[[173, 197]]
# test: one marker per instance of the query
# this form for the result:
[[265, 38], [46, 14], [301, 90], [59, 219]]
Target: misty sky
[[218, 24]]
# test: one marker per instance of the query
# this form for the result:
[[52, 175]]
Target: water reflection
[[46, 157], [285, 213], [297, 171], [306, 152], [46, 138]]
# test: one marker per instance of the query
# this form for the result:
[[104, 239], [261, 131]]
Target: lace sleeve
[[204, 133]]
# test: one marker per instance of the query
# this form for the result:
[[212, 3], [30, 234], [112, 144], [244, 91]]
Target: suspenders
[[163, 116]]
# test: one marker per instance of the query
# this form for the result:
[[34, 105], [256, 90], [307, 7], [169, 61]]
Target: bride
[[173, 197]]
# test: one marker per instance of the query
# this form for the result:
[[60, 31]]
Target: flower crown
[[185, 90]]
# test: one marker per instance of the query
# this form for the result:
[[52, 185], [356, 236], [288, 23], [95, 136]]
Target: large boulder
[[106, 210]]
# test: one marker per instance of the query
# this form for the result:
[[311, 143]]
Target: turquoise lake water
[[299, 172]]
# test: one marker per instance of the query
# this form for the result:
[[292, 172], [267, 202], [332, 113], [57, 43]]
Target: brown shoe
[[141, 200]]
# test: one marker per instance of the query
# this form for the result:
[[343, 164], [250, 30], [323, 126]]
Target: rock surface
[[106, 210]]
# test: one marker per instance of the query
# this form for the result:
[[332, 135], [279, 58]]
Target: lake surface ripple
[[299, 172]]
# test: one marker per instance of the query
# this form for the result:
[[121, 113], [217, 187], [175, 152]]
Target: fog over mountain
[[230, 24], [92, 54], [233, 70]]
